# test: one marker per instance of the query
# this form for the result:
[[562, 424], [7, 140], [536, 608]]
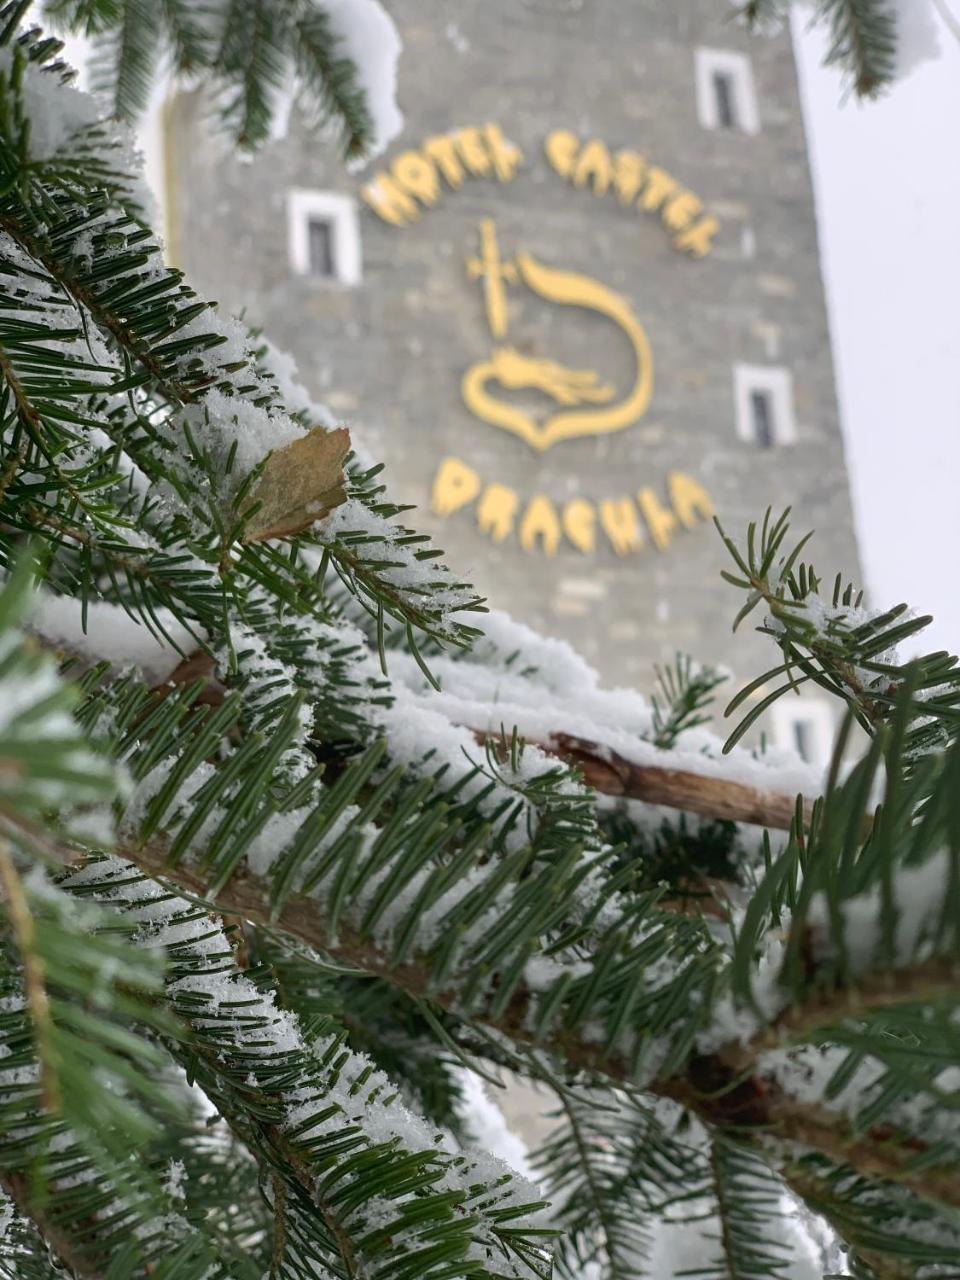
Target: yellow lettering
[[689, 499], [578, 523], [443, 153], [473, 152], [454, 486], [506, 155], [561, 148], [661, 522], [417, 175], [391, 203], [658, 186], [620, 524], [629, 168], [495, 511], [593, 163], [540, 521], [681, 211], [698, 240]]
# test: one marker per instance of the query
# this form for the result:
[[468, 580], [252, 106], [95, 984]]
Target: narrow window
[[802, 739], [761, 412], [726, 92], [723, 92], [763, 405], [320, 246], [323, 237]]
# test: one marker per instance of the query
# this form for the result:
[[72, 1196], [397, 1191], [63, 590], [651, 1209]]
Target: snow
[[111, 633], [369, 38], [283, 369], [918, 897], [484, 1121], [318, 1094], [220, 422], [55, 110], [425, 580], [917, 34], [175, 1180], [563, 697]]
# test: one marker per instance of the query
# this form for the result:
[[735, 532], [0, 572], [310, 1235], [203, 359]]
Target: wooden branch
[[722, 1088], [710, 797]]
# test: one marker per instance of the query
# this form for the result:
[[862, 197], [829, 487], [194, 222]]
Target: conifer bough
[[280, 854]]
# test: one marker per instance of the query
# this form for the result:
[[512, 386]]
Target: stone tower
[[576, 308]]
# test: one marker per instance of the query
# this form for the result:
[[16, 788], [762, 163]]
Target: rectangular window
[[763, 405], [723, 90], [726, 92], [761, 413], [320, 246], [803, 725], [323, 236]]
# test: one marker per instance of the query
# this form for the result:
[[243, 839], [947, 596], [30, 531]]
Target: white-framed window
[[726, 92], [804, 725], [763, 402], [324, 236]]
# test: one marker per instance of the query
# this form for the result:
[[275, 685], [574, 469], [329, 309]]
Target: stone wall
[[389, 355]]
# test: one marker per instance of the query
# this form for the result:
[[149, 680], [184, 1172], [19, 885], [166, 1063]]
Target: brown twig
[[613, 775]]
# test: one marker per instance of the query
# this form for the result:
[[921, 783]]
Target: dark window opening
[[761, 413], [320, 247], [802, 740], [723, 93]]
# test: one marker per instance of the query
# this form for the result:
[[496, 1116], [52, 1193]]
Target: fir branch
[[718, 1088], [748, 1198], [831, 641], [286, 1096], [896, 1235], [88, 295], [863, 41], [22, 1190], [124, 64], [685, 691], [862, 35], [247, 48], [931, 983], [332, 77], [605, 1165], [251, 57], [34, 978], [756, 13]]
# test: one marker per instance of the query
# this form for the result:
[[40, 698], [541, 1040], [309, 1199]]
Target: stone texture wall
[[389, 355]]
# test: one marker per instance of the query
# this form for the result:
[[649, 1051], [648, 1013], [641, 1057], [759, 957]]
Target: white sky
[[888, 194]]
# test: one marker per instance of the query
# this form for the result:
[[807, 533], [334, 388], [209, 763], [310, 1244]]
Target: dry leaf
[[301, 483]]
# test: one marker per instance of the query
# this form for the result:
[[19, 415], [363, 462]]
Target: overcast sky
[[888, 194]]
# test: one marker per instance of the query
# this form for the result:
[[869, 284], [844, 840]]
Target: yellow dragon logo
[[574, 389]]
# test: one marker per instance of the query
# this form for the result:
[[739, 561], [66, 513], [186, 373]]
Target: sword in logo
[[494, 273]]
